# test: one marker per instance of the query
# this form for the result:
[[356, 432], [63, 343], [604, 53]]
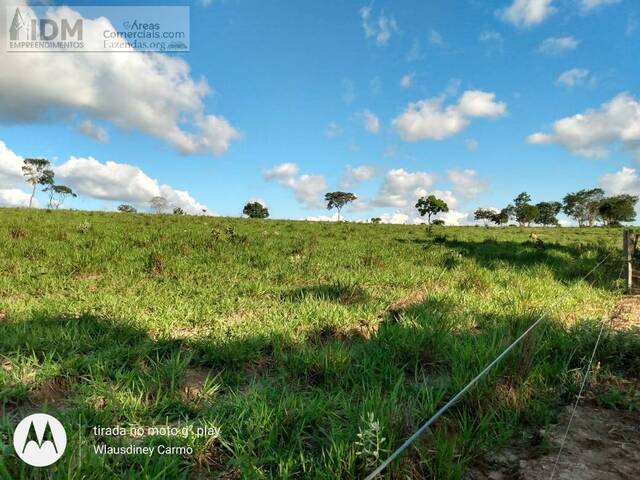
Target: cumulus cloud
[[407, 80], [323, 218], [355, 175], [11, 179], [623, 181], [381, 29], [88, 128], [397, 218], [14, 197], [557, 45], [120, 182], [282, 170], [526, 13], [589, 134], [91, 178], [401, 187], [371, 122], [429, 119], [466, 183], [307, 189], [10, 167], [454, 217], [149, 92], [573, 77]]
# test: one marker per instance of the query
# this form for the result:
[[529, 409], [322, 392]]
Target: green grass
[[316, 349]]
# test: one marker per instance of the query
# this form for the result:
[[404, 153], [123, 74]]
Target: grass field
[[316, 349]]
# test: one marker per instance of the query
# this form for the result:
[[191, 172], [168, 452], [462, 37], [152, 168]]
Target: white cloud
[[149, 92], [590, 133], [407, 80], [323, 218], [466, 183], [526, 13], [88, 128], [282, 170], [573, 77], [10, 168], [400, 188], [307, 189], [371, 122], [120, 182], [435, 38], [14, 197], [454, 217], [557, 45], [428, 119], [355, 175], [623, 181], [472, 144], [476, 103], [588, 5], [333, 130], [381, 29], [397, 218]]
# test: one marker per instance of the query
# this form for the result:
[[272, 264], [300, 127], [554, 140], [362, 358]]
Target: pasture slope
[[315, 348]]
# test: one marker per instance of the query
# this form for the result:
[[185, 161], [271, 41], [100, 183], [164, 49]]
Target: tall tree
[[523, 210], [583, 206], [484, 214], [430, 206], [526, 213], [548, 212], [126, 208], [58, 194], [338, 200], [255, 210], [619, 208], [159, 204], [503, 216], [37, 171]]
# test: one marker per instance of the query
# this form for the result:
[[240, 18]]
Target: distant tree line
[[587, 207]]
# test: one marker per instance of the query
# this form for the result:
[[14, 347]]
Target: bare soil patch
[[602, 444]]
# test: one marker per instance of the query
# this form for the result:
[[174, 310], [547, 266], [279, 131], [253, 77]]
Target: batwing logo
[[39, 440]]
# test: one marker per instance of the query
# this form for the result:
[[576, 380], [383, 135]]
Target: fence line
[[475, 380], [586, 376]]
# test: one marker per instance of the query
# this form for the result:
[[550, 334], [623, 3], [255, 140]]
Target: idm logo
[[39, 440]]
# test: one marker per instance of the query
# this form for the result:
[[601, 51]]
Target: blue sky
[[415, 96]]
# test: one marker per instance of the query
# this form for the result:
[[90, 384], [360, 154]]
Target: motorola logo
[[39, 440]]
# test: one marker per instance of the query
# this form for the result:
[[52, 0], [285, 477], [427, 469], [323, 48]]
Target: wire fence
[[409, 441]]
